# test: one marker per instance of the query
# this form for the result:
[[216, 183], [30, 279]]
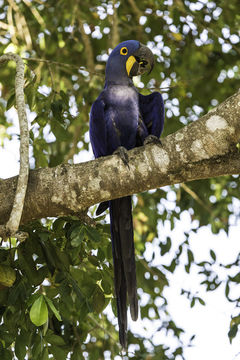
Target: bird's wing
[[98, 137], [97, 128], [152, 112]]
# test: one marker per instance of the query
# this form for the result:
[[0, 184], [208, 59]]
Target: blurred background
[[186, 235]]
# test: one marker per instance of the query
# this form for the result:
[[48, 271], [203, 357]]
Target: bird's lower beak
[[140, 62]]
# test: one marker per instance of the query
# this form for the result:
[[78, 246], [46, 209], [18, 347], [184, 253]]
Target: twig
[[83, 68], [55, 63], [14, 220], [180, 83], [87, 43], [21, 24], [115, 32], [35, 13], [3, 25], [135, 9], [195, 197], [77, 337], [11, 25], [138, 15], [51, 76], [51, 62]]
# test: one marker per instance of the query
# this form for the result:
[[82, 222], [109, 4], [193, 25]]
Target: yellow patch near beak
[[129, 63]]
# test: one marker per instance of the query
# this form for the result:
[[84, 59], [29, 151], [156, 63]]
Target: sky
[[210, 323]]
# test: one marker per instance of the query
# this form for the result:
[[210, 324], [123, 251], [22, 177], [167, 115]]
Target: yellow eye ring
[[123, 50]]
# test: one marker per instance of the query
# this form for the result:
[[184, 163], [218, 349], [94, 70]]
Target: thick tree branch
[[205, 148], [17, 205]]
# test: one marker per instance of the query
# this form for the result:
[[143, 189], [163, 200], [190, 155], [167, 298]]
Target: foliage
[[64, 277]]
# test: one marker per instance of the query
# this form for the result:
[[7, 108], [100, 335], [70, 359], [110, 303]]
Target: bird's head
[[129, 58]]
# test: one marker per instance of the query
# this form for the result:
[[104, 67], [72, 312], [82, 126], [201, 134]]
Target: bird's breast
[[122, 114], [123, 96]]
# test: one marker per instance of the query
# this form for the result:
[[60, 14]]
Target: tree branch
[[115, 33], [15, 216], [205, 148], [138, 13], [86, 42], [135, 9], [70, 66], [196, 197]]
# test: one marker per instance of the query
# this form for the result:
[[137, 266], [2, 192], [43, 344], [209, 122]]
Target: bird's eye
[[124, 51]]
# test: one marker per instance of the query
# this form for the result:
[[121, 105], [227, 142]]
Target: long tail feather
[[124, 262], [102, 207]]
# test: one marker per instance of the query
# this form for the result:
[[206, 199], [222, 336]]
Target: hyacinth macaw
[[121, 119]]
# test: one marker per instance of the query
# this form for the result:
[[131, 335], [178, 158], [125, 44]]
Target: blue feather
[[123, 117]]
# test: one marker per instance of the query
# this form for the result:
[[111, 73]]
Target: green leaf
[[213, 255], [233, 332], [57, 108], [76, 355], [30, 93], [101, 255], [32, 299], [11, 101], [93, 260], [44, 355], [20, 348], [98, 300], [75, 286], [37, 346], [27, 265], [202, 302], [53, 339], [18, 291], [39, 311], [236, 278], [192, 302], [190, 256], [166, 246], [59, 131], [106, 285], [77, 235], [65, 98], [58, 224], [7, 355], [58, 352], [49, 252], [52, 307], [93, 234], [227, 289]]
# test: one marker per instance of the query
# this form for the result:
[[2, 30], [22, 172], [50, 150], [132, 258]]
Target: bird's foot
[[123, 154], [152, 139]]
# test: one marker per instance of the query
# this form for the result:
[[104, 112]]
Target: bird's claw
[[123, 154], [152, 139]]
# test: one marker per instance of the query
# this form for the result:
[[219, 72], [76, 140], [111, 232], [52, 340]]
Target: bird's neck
[[117, 82], [116, 73]]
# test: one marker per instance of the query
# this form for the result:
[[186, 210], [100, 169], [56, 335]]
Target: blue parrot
[[121, 119]]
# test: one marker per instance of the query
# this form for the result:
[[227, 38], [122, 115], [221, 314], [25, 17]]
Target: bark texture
[[18, 202], [205, 148]]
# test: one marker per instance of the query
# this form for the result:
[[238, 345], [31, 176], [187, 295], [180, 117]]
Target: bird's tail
[[124, 262]]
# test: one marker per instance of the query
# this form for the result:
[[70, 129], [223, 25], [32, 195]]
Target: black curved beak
[[144, 61]]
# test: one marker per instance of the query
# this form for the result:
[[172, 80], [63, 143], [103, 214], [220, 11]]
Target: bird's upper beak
[[140, 62]]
